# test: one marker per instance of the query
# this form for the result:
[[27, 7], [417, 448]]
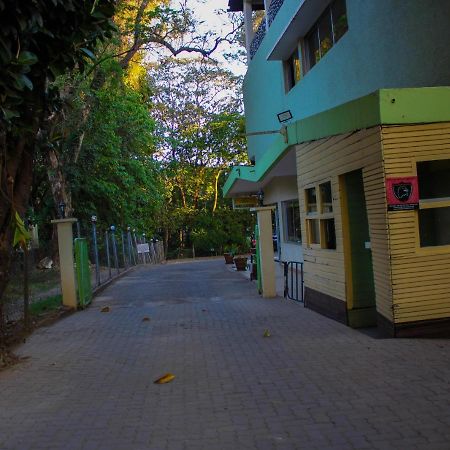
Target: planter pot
[[228, 258], [240, 262]]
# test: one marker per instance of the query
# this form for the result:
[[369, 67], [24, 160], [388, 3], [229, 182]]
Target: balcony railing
[[274, 7], [257, 39]]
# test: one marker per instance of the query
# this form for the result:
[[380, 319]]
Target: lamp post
[[260, 196], [62, 210]]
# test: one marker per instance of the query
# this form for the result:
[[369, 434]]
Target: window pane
[[314, 231], [325, 33], [293, 69], [312, 43], [434, 226], [326, 198], [329, 234], [434, 178], [339, 13], [311, 200], [292, 215]]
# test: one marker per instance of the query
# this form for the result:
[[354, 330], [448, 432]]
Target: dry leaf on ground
[[146, 319], [105, 309], [266, 333], [167, 378]]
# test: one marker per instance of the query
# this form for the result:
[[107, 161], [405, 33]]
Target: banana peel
[[266, 333], [167, 378]]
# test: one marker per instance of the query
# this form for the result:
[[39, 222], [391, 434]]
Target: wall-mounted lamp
[[260, 196], [284, 116], [62, 210]]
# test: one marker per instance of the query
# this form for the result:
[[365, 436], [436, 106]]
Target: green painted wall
[[389, 44], [361, 258], [387, 106]]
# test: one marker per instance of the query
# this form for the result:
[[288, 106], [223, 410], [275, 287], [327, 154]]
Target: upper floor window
[[330, 27], [293, 69], [325, 32]]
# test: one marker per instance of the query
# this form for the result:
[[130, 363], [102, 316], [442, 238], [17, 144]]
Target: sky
[[206, 10]]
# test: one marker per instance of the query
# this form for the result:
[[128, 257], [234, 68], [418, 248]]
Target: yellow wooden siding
[[325, 160], [420, 278]]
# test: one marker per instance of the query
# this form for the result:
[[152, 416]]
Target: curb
[[103, 286]]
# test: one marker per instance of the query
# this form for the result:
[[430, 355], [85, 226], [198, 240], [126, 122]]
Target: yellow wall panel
[[325, 160], [421, 277]]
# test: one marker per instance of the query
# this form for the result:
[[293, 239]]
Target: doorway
[[360, 289]]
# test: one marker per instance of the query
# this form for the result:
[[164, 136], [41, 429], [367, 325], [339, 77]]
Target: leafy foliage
[[42, 39], [119, 181]]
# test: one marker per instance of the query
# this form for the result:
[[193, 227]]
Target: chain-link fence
[[35, 276]]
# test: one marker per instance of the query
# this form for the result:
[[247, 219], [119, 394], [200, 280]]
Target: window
[[327, 30], [320, 225], [292, 221], [330, 27], [326, 199], [434, 209], [293, 70], [311, 200]]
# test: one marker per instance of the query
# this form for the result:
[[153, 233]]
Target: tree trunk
[[60, 186], [15, 183], [216, 188]]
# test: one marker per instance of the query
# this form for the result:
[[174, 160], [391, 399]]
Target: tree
[[197, 109], [39, 40]]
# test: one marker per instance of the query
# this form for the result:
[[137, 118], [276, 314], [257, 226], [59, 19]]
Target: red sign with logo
[[402, 193]]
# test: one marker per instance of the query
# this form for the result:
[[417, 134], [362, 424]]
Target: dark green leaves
[[27, 58]]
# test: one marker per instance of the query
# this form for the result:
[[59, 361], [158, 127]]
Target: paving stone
[[314, 384]]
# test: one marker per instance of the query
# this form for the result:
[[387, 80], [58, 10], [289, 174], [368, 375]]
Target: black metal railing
[[293, 281], [258, 37], [274, 7]]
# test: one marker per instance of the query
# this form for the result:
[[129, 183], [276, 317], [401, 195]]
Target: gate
[[83, 272], [293, 281]]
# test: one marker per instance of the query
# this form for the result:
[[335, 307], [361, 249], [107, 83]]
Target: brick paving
[[314, 384]]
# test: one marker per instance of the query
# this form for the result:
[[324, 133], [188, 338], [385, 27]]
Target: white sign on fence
[[143, 248]]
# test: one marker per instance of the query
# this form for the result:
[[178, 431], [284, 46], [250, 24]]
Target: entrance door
[[361, 310]]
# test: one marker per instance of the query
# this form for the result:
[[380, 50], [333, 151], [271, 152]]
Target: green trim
[[383, 107]]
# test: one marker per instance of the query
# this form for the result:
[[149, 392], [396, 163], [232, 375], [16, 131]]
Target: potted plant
[[240, 262], [230, 251], [228, 258]]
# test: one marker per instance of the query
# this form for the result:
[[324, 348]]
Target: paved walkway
[[314, 384]]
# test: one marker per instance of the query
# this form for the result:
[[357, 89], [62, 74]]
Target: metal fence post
[[135, 246], [94, 240], [107, 253], [125, 265], [144, 256], [129, 245], [114, 244]]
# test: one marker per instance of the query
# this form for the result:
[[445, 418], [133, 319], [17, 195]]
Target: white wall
[[281, 189]]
